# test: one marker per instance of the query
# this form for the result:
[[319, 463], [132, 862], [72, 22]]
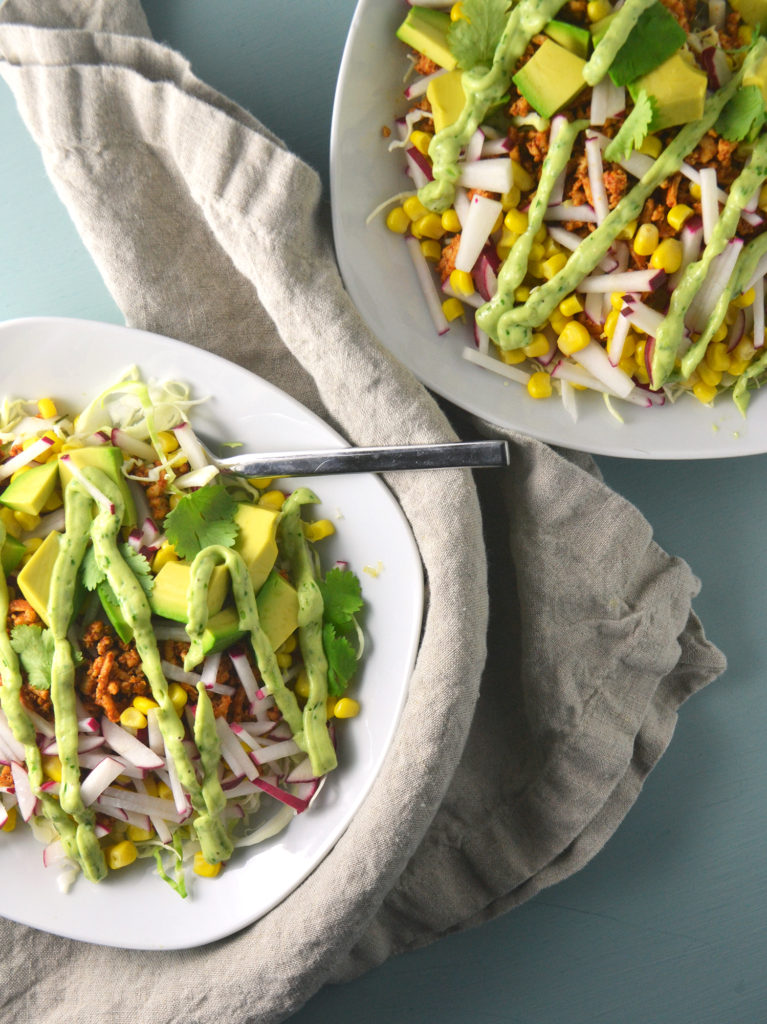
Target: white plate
[[378, 275], [71, 361]]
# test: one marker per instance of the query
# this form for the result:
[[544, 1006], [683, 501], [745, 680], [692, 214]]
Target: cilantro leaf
[[201, 518], [743, 116], [89, 570], [474, 36], [93, 577], [342, 660], [655, 37], [632, 132], [34, 646], [341, 596]]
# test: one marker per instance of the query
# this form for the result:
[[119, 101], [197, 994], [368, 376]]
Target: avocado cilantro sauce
[[590, 187], [171, 651]]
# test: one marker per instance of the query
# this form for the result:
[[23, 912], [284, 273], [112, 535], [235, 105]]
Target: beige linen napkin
[[206, 229]]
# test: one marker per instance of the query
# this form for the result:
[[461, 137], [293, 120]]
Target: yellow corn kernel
[[630, 344], [536, 269], [668, 256], [132, 718], [272, 499], [120, 855], [347, 707], [651, 146], [627, 233], [168, 441], [628, 366], [51, 767], [511, 198], [429, 226], [178, 696], [516, 220], [550, 247], [19, 471], [10, 821], [721, 333], [522, 179], [462, 282], [537, 252], [452, 308], [744, 300], [678, 215], [522, 293], [330, 706], [553, 265], [144, 704], [573, 338], [55, 501], [705, 393], [731, 315], [414, 208], [164, 791], [736, 367], [539, 385], [616, 300], [541, 234], [318, 530], [431, 249], [261, 483], [744, 351], [456, 12], [570, 306], [708, 375], [288, 646], [10, 523], [301, 686], [695, 190], [717, 356], [598, 9], [511, 356], [284, 660], [47, 408], [26, 521], [137, 834], [646, 239], [166, 553], [558, 322], [451, 222], [539, 346], [421, 141], [204, 868]]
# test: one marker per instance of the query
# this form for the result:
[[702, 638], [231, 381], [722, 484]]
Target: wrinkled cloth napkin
[[535, 715]]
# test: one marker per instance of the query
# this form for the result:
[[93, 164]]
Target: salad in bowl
[[174, 660], [588, 191]]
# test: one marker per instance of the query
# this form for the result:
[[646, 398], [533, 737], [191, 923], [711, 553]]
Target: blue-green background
[[668, 922]]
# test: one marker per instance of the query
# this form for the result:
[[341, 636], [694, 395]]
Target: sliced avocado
[[11, 553], [114, 612], [655, 37], [679, 90], [758, 77], [572, 37], [222, 631], [551, 78], [447, 98], [34, 580], [171, 586], [426, 31], [753, 12], [30, 490], [277, 604], [109, 459], [256, 540]]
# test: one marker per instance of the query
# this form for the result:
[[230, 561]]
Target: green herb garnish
[[34, 646], [202, 518], [634, 129], [473, 37]]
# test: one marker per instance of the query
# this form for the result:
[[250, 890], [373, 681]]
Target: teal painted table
[[669, 922]]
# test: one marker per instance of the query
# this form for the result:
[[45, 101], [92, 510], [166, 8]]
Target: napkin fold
[[558, 639]]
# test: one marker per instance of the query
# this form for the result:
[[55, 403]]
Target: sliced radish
[[482, 216], [125, 743], [103, 775]]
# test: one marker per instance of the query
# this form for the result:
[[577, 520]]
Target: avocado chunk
[[679, 90], [256, 540], [11, 554], [753, 12], [277, 604], [426, 31], [758, 77], [655, 37], [447, 98], [108, 459], [34, 580], [171, 587], [29, 491], [222, 631], [551, 79], [572, 37], [114, 612]]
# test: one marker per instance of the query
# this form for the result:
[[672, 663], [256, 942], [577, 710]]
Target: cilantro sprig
[[34, 646], [473, 37], [203, 517], [634, 129], [93, 577], [342, 598], [743, 116]]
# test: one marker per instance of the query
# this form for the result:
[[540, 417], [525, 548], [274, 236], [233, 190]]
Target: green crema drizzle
[[618, 31], [208, 799], [23, 730], [483, 88], [512, 327], [671, 332]]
